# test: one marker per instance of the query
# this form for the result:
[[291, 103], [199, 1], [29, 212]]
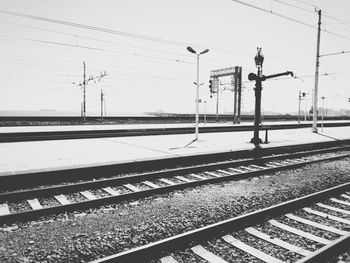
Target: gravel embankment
[[87, 235]]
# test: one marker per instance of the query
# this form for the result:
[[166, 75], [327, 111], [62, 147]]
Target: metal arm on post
[[258, 87], [277, 75]]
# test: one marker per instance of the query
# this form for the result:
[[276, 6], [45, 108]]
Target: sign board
[[222, 72]]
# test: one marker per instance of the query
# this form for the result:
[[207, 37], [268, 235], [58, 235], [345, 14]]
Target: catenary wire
[[289, 18]]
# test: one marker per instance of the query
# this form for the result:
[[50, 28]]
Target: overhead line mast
[[314, 107]]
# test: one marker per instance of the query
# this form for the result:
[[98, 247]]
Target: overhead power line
[[94, 48], [337, 19], [305, 3], [274, 13], [219, 50], [288, 18], [93, 38], [95, 28], [335, 53], [294, 6], [111, 31]]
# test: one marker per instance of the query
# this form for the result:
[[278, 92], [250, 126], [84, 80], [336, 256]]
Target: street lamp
[[205, 112], [190, 49], [323, 97], [259, 60]]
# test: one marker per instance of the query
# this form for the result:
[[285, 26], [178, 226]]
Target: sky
[[141, 45]]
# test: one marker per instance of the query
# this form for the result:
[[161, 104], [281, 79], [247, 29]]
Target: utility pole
[[299, 106], [84, 84], [305, 110], [104, 105], [101, 105], [205, 111], [315, 93], [323, 97], [234, 78], [239, 95], [217, 102]]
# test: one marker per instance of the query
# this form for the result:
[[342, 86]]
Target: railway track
[[281, 233], [104, 133], [30, 204]]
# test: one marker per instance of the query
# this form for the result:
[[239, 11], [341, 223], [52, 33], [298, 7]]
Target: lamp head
[[259, 58], [204, 51], [191, 50]]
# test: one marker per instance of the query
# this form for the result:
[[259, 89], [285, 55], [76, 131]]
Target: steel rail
[[55, 176], [328, 251], [62, 189], [150, 251], [34, 214]]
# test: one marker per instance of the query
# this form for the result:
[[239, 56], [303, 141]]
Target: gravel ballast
[[88, 235]]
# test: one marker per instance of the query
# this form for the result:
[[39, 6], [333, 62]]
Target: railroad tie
[[150, 184], [111, 191], [4, 209], [257, 166], [347, 212], [340, 201], [270, 165], [250, 250], [346, 196], [207, 255], [168, 259], [181, 178], [325, 215], [198, 176], [167, 181], [34, 204], [225, 172], [132, 187], [249, 168], [318, 225], [236, 170], [278, 242], [213, 174], [276, 163], [62, 199], [301, 233], [88, 195]]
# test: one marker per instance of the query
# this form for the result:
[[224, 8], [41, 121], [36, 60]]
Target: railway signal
[[211, 86]]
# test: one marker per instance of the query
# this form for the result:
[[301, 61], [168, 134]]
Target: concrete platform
[[28, 157]]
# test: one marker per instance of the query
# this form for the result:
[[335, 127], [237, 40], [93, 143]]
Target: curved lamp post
[[197, 84], [259, 59]]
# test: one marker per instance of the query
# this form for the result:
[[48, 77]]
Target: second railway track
[[30, 204], [18, 136], [256, 236]]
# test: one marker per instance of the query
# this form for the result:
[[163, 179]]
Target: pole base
[[256, 141]]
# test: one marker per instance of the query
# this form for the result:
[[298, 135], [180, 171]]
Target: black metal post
[[235, 96], [258, 87], [239, 95]]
